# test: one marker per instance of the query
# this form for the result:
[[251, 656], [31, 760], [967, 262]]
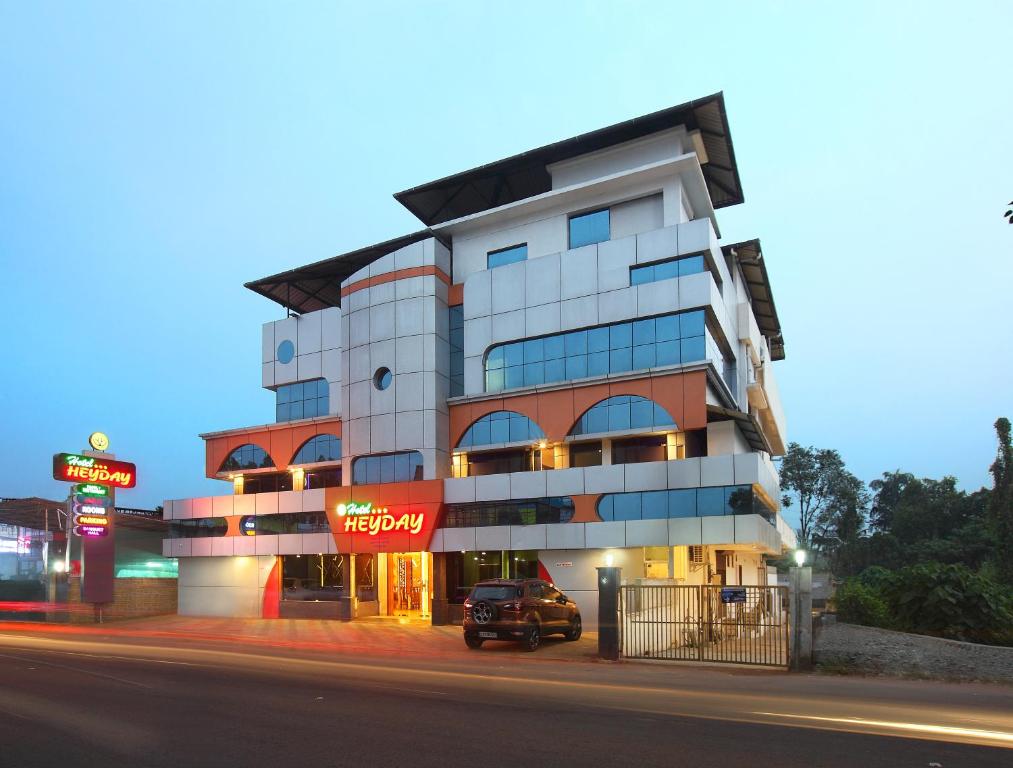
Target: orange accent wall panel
[[585, 508], [401, 516], [399, 274], [455, 296], [281, 441], [683, 395]]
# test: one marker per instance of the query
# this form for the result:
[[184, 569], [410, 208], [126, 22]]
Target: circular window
[[382, 378], [286, 351]]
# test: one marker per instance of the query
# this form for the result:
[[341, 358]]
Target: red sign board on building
[[75, 468]]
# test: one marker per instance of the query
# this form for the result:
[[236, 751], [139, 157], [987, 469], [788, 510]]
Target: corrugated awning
[[318, 286], [525, 175], [750, 257], [747, 425]]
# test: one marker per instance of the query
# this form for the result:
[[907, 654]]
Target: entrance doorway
[[408, 584]]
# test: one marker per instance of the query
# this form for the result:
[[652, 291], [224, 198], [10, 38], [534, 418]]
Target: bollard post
[[800, 600], [608, 612]]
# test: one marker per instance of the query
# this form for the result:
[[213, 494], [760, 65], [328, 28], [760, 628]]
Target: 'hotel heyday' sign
[[74, 468], [365, 518]]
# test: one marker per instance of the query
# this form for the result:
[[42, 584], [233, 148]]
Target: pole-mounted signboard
[[96, 476]]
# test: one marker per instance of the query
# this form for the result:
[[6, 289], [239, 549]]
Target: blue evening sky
[[156, 156]]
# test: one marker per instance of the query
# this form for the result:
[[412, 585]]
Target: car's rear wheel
[[573, 633], [533, 639], [472, 642]]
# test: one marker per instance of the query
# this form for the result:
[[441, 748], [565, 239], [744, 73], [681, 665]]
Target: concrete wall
[[573, 572], [132, 599], [585, 287], [402, 325], [223, 586], [621, 157], [317, 340]]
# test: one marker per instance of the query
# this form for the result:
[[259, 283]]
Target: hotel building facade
[[566, 368]]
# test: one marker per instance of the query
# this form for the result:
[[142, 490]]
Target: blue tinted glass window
[[387, 468], [589, 228], [501, 427], [693, 265], [247, 456], [605, 507], [620, 413], [615, 348], [693, 348], [302, 400], [456, 340], [598, 339], [691, 324], [507, 255], [654, 505], [644, 357], [680, 266], [319, 448], [682, 503], [710, 501], [286, 351], [626, 506]]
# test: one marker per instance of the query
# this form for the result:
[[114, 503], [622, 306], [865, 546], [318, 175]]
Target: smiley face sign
[[98, 441]]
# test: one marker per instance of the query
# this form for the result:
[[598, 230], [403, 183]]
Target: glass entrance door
[[408, 584]]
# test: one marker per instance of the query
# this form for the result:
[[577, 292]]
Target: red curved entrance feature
[[272, 591]]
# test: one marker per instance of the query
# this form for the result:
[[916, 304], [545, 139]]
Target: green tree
[[1001, 501], [830, 499]]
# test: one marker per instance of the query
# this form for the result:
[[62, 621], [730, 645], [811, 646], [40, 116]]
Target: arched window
[[247, 456], [319, 448], [501, 427], [621, 413]]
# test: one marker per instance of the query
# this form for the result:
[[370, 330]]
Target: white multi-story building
[[565, 368]]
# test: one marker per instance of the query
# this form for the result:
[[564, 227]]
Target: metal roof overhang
[[750, 257], [747, 425], [31, 513], [318, 286], [525, 175]]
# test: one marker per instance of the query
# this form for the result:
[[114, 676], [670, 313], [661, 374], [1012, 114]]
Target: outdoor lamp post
[[800, 555]]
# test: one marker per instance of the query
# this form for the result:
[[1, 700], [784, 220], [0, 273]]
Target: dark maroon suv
[[522, 610]]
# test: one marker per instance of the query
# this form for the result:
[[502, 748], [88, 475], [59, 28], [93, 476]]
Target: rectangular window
[[589, 228], [507, 255], [680, 266], [387, 468], [456, 330], [585, 454], [624, 346], [303, 400], [499, 462], [639, 449]]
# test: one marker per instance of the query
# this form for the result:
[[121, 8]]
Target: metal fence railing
[[737, 625]]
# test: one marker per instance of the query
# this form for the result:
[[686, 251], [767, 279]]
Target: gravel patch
[[852, 648]]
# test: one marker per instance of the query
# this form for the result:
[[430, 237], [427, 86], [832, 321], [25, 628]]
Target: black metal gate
[[736, 625]]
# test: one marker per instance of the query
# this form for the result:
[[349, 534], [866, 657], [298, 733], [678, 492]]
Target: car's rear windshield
[[504, 592]]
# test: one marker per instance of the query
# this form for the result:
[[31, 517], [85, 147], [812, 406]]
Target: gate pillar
[[608, 612], [800, 601]]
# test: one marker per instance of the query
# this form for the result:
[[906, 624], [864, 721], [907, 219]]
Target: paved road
[[106, 700]]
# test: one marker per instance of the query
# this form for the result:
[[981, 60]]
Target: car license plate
[[487, 634]]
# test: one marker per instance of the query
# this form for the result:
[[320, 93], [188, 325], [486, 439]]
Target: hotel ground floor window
[[312, 577], [465, 569], [365, 577], [637, 449]]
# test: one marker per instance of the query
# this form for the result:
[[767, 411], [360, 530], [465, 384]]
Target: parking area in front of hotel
[[371, 637]]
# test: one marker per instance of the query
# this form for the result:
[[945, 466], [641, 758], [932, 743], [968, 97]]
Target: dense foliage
[[949, 601], [915, 554]]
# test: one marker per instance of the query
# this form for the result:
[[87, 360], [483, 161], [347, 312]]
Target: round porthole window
[[286, 351], [382, 378]]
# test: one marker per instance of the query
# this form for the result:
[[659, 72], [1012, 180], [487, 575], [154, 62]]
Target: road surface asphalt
[[106, 697]]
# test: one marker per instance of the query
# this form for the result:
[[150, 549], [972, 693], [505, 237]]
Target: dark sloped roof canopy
[[750, 257], [525, 175], [318, 286]]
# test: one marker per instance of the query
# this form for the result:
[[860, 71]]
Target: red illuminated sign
[[75, 468], [364, 518]]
